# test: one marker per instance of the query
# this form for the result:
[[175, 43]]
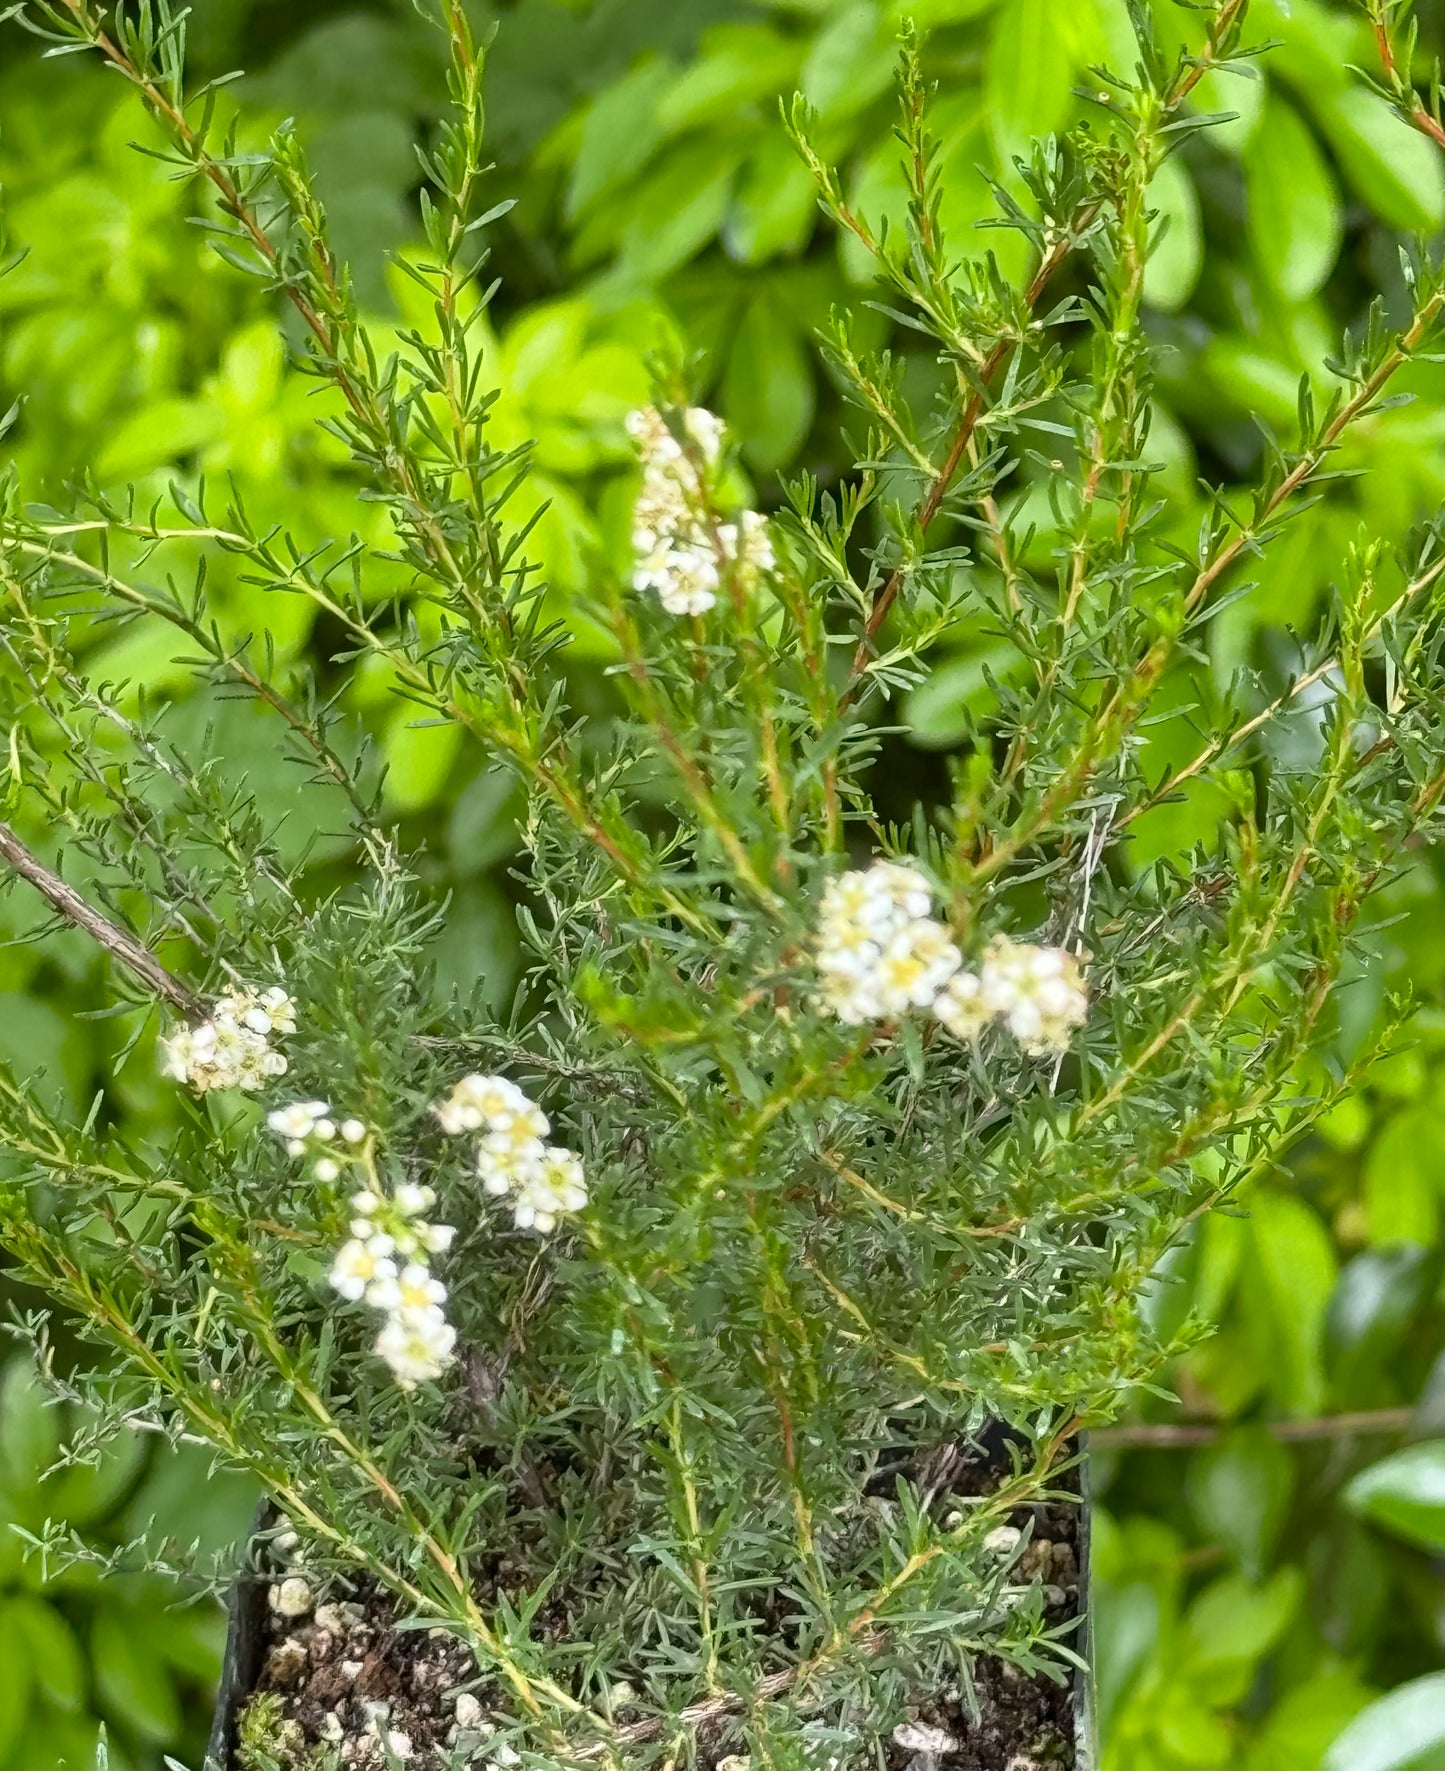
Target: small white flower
[[358, 1265], [960, 1006], [411, 1200], [685, 579], [706, 430], [352, 1131], [384, 1263], [298, 1121], [557, 1186], [281, 1008], [411, 1289], [417, 1345], [916, 964], [757, 549], [516, 1149], [479, 1101], [326, 1169]]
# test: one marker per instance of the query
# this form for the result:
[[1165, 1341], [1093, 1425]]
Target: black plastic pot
[[1086, 1715], [246, 1647], [240, 1668]]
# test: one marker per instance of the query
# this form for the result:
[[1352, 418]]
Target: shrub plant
[[811, 1140]]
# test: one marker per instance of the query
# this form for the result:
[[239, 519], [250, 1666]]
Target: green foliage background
[[1255, 1594]]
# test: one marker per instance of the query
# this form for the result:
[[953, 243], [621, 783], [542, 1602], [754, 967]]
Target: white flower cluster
[[305, 1125], [233, 1048], [882, 953], [680, 555], [1037, 992], [385, 1259], [880, 950], [385, 1262], [544, 1181]]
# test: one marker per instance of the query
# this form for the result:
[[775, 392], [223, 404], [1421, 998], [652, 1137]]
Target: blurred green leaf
[[1234, 1619], [739, 66], [676, 209], [941, 710], [30, 1438], [1376, 1298], [191, 1639], [1402, 1731], [132, 1681], [1405, 1493], [419, 759], [768, 388], [1174, 266], [1030, 72], [1402, 1193], [1300, 1726], [1350, 1583], [1127, 1626], [775, 205], [52, 1649], [1292, 1271], [619, 133], [1391, 166], [850, 62], [16, 1678], [1296, 220], [1240, 1489], [482, 828]]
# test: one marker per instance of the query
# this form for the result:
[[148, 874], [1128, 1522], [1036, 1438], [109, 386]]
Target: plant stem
[[1292, 1432], [116, 941]]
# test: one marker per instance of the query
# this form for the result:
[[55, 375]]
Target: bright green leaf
[[1401, 1195], [31, 1431], [1178, 254], [1290, 1274], [1233, 1619], [1030, 72], [1405, 1493], [618, 134], [1402, 1731], [1392, 167], [677, 209], [1296, 219], [851, 62]]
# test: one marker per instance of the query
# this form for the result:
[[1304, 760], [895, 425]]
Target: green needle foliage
[[813, 1252]]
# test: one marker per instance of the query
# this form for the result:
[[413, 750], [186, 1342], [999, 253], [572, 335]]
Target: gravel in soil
[[353, 1690]]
